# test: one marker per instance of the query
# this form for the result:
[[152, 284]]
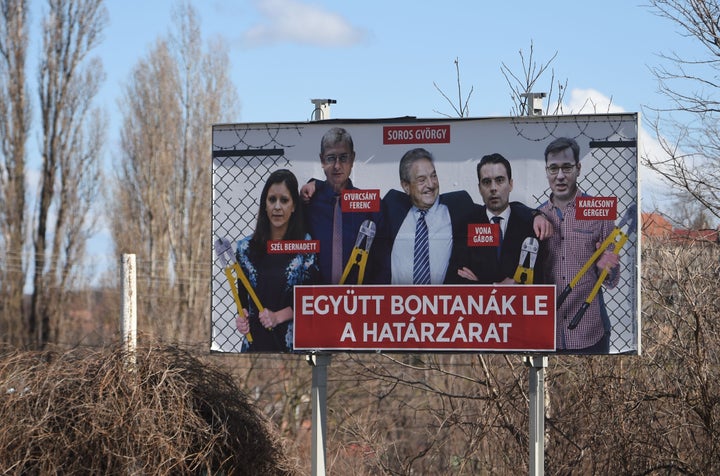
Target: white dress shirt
[[440, 236], [505, 215]]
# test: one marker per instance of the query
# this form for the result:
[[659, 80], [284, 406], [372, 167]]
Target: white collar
[[505, 215]]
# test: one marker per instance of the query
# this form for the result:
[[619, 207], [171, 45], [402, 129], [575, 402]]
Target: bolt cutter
[[359, 255], [223, 250], [618, 238], [524, 275]]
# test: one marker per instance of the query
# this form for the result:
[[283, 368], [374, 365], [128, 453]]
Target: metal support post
[[319, 363], [537, 364]]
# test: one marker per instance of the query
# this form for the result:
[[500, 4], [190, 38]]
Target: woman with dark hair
[[273, 275]]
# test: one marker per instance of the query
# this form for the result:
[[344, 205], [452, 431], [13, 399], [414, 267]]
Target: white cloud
[[653, 191], [590, 101], [292, 21]]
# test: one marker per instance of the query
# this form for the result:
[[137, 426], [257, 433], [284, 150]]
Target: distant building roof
[[656, 226]]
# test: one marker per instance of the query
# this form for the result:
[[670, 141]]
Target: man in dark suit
[[445, 220], [488, 264], [336, 230]]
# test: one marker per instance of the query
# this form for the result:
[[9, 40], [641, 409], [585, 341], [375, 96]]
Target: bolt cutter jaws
[[359, 254], [523, 275], [629, 219], [530, 246], [223, 250], [366, 234]]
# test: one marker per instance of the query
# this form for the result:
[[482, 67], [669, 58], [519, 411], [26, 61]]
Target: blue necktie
[[421, 263], [498, 220]]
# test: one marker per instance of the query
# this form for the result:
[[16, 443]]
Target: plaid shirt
[[572, 244]]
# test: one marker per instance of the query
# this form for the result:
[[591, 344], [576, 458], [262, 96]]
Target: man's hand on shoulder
[[542, 227], [307, 191]]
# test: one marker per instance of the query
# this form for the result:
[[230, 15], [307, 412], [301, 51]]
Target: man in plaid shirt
[[570, 246]]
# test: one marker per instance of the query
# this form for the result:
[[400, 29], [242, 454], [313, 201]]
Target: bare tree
[[14, 129], [462, 108], [162, 195], [687, 129], [688, 213], [72, 134], [522, 86]]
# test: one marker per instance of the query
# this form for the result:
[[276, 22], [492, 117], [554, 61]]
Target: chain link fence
[[236, 191]]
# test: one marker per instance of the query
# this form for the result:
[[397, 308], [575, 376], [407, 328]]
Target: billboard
[[590, 262]]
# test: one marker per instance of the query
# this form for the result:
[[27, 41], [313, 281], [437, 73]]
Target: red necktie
[[336, 269]]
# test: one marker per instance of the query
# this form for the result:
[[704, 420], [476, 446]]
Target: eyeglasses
[[331, 159], [555, 169]]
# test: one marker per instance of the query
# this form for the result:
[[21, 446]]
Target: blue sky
[[380, 58]]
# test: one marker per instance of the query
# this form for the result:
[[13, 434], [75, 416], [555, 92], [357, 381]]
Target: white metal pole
[[318, 396], [128, 325], [537, 364]]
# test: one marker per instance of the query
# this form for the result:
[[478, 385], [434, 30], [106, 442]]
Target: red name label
[[360, 201], [483, 234], [432, 134], [596, 208], [293, 246], [425, 318]]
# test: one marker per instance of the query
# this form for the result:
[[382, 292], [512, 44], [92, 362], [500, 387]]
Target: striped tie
[[421, 264]]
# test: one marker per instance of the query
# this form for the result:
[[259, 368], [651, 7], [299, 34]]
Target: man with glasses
[[336, 230], [572, 243]]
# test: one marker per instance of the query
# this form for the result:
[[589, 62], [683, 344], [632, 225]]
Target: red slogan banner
[[425, 318]]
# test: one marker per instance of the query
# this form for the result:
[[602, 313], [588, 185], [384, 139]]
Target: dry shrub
[[654, 414], [87, 412]]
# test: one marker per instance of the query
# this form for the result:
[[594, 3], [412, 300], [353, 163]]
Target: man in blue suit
[[337, 156], [445, 218]]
